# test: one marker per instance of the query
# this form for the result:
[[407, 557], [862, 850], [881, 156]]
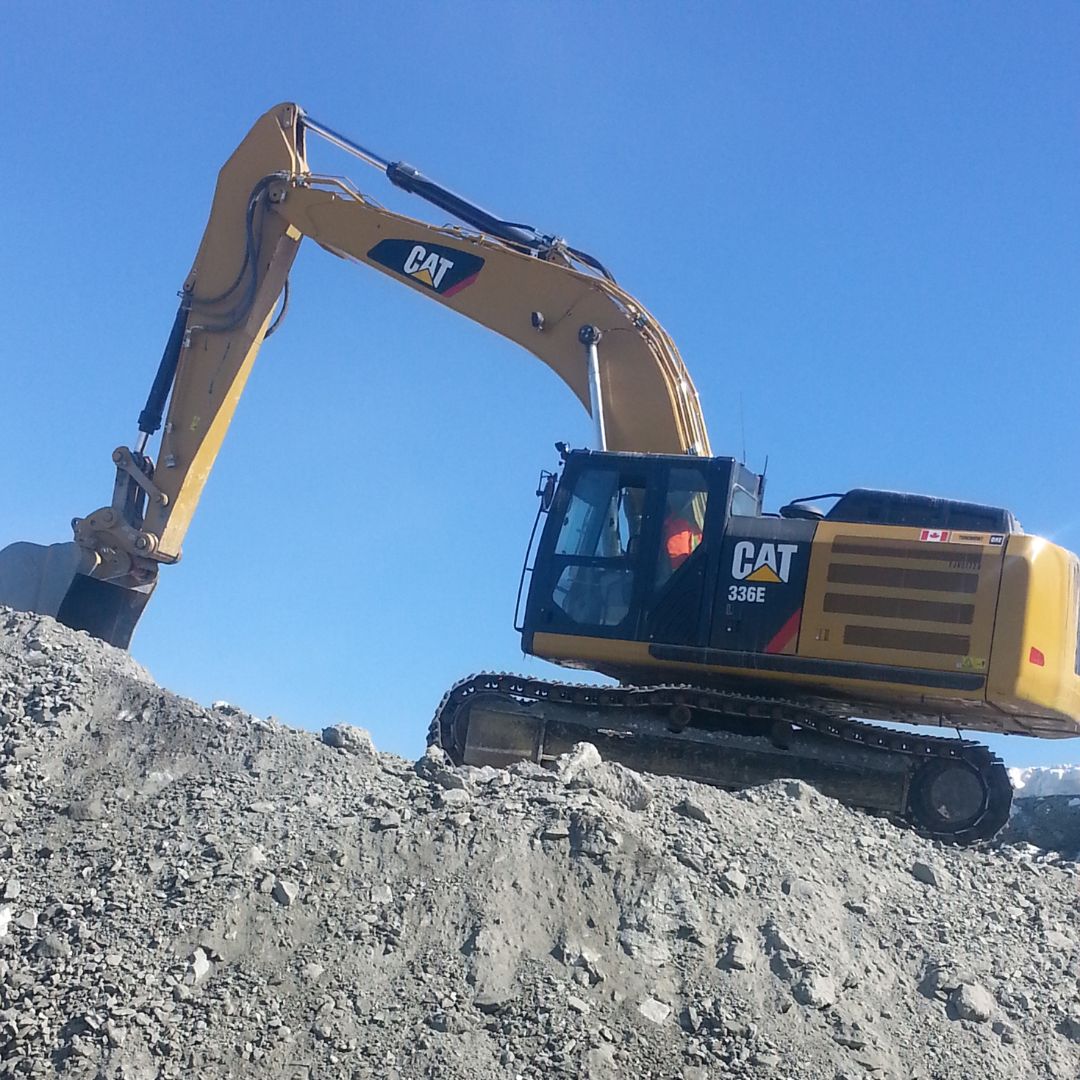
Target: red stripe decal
[[786, 634], [462, 284]]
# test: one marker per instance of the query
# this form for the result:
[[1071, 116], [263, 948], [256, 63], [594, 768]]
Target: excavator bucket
[[48, 581]]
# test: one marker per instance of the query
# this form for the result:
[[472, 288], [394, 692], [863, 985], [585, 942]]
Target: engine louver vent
[[904, 597]]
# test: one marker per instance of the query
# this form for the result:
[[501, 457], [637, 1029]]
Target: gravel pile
[[190, 891]]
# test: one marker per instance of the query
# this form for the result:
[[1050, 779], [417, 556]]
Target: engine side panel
[[903, 597], [1036, 648]]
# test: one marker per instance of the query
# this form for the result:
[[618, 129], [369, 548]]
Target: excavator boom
[[556, 302]]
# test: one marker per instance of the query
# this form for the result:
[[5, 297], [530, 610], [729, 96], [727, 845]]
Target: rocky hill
[[190, 891]]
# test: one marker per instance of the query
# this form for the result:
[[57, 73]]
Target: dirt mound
[[192, 891]]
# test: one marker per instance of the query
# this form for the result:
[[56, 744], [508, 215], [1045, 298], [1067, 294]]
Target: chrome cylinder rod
[[589, 336], [344, 143]]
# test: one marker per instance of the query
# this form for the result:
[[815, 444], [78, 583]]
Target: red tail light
[[1036, 657]]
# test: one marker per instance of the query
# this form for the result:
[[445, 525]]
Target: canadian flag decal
[[934, 536]]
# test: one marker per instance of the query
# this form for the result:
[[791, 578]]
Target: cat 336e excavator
[[743, 642]]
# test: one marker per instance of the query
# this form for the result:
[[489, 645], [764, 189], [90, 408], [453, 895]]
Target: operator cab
[[634, 549]]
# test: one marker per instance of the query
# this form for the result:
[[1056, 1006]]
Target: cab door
[[593, 565], [685, 537]]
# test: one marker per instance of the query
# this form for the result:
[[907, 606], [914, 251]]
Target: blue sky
[[859, 222]]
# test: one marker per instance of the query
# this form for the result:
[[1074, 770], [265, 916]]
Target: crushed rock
[[192, 891]]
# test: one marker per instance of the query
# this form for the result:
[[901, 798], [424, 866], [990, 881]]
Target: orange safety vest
[[681, 537]]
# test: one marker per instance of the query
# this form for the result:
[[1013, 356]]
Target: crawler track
[[953, 790]]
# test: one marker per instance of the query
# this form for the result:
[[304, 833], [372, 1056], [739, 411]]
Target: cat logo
[[429, 269], [443, 270], [766, 563]]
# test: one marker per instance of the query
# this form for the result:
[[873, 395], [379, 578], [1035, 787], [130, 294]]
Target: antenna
[[742, 426]]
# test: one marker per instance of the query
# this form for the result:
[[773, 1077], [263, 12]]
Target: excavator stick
[[49, 580]]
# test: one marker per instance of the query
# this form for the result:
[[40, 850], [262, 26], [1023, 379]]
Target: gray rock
[[86, 810], [624, 786], [695, 810], [654, 1010], [582, 758], [434, 761], [815, 989], [529, 770], [601, 1063], [1008, 1033], [583, 768], [739, 955], [927, 873], [558, 830], [493, 999], [353, 740], [941, 978], [1069, 1027], [798, 790], [200, 965], [285, 892], [450, 779], [52, 947], [972, 1002], [733, 880], [251, 859], [457, 796], [1050, 822]]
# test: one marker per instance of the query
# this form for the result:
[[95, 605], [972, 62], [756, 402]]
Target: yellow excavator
[[744, 643]]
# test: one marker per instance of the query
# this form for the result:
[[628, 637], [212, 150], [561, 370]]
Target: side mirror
[[546, 490]]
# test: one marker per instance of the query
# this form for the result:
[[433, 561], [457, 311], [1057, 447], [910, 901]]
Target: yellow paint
[[1037, 609]]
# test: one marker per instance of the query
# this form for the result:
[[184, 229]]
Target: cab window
[[603, 519], [684, 522], [743, 503], [600, 534]]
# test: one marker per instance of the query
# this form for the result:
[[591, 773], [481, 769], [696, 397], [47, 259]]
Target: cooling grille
[[906, 597]]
